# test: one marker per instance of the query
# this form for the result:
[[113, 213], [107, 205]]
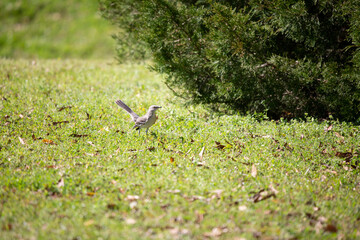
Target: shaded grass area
[[72, 168], [54, 29]]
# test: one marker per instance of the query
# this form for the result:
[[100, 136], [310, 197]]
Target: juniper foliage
[[286, 58]]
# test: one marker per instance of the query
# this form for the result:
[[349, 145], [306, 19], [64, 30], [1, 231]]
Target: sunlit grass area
[[71, 167], [54, 29]]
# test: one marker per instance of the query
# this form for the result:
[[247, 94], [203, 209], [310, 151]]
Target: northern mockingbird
[[145, 121]]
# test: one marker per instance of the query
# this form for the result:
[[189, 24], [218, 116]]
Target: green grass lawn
[[71, 167], [54, 29]]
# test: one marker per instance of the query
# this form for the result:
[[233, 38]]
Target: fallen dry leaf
[[7, 227], [60, 183], [217, 192], [199, 217], [172, 159], [90, 194], [263, 195], [131, 198], [242, 208], [253, 171], [174, 191], [201, 164], [346, 155], [65, 107], [151, 149], [216, 232], [194, 198], [219, 145], [78, 135], [133, 204], [271, 187], [201, 154], [178, 231], [111, 206], [130, 221], [330, 228], [48, 141], [326, 129], [52, 166], [89, 222], [21, 141], [60, 122]]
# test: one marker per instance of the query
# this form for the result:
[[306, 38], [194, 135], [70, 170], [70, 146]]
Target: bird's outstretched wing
[[133, 115]]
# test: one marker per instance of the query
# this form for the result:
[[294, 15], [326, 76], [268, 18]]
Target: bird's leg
[[139, 130], [147, 130]]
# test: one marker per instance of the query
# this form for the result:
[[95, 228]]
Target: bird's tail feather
[[133, 115]]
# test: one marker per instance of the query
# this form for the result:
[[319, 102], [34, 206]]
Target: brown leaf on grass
[[48, 141], [34, 138], [151, 149], [111, 206], [178, 231], [60, 122], [7, 227], [263, 195], [132, 198], [78, 135], [174, 151], [64, 107], [60, 183], [242, 208], [90, 194], [194, 198], [271, 187], [174, 191], [330, 228], [219, 145], [199, 217], [331, 171], [288, 147], [346, 155], [52, 166], [130, 221], [253, 171], [172, 159], [22, 141], [87, 116], [326, 129], [201, 164], [216, 232], [216, 193], [89, 222], [201, 154]]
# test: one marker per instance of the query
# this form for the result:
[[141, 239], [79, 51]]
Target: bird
[[145, 121]]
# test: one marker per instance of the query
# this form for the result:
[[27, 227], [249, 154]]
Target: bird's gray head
[[154, 108]]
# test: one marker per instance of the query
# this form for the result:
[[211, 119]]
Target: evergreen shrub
[[284, 57]]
